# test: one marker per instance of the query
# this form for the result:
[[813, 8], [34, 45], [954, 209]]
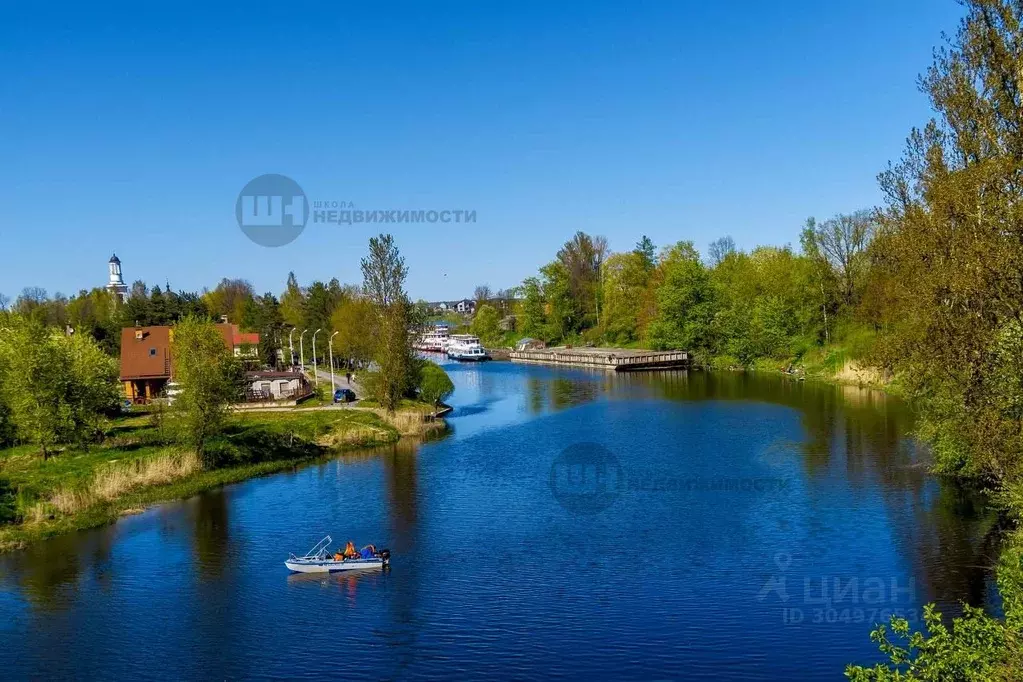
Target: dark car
[[344, 395]]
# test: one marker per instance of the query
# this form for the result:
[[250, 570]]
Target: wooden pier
[[614, 359]]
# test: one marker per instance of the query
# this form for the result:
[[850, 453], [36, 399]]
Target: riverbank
[[138, 465]]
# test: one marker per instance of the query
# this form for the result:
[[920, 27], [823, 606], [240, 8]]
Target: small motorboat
[[321, 560]]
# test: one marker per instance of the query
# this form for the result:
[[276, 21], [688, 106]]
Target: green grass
[[252, 444]]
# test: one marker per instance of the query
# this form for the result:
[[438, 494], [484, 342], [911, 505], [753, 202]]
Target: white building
[[116, 284]]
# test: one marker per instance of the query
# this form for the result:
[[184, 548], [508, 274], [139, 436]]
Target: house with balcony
[[146, 362]]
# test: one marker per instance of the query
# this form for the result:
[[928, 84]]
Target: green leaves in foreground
[[977, 648]]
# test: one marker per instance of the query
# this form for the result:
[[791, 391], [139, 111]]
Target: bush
[[434, 383], [55, 388], [977, 648]]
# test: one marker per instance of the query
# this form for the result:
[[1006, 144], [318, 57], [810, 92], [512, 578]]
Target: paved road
[[339, 381]]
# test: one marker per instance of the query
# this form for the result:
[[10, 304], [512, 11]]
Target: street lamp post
[[301, 350], [330, 347], [316, 379], [291, 346]]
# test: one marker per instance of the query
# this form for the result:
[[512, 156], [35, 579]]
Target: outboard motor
[[385, 554]]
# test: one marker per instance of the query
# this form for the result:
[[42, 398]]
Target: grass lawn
[[139, 464]]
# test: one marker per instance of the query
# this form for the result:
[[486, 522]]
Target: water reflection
[[211, 531], [487, 566], [861, 437]]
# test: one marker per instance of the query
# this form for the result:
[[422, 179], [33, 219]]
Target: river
[[571, 525]]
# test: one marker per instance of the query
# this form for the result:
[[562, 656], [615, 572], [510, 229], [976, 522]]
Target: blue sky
[[132, 129]]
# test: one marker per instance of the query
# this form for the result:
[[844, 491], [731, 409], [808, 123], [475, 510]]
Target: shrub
[[434, 383]]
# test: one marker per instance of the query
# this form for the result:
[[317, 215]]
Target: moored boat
[[320, 559], [466, 347], [433, 340]]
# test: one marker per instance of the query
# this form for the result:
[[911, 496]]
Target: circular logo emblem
[[272, 210], [586, 478]]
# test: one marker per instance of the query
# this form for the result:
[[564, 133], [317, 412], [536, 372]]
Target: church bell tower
[[116, 284]]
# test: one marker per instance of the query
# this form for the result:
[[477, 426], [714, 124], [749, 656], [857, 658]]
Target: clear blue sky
[[132, 129]]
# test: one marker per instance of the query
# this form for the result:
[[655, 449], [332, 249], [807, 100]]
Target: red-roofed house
[[244, 344], [146, 357]]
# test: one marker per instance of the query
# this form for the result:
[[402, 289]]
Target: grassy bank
[[138, 465]]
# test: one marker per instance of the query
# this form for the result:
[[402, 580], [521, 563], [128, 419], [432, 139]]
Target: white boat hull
[[331, 566]]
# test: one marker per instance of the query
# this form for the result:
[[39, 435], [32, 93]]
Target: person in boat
[[338, 556], [368, 552], [350, 551]]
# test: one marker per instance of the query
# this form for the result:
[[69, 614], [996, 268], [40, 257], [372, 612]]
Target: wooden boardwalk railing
[[605, 358]]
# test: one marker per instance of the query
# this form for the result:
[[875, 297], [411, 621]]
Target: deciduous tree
[[56, 388], [210, 379]]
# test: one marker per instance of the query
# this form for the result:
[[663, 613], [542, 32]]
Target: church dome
[[115, 259]]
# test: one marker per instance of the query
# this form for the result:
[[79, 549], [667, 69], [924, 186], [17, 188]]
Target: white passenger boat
[[433, 340], [320, 559], [466, 347]]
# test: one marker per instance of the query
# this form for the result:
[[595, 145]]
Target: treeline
[[729, 307], [58, 375], [329, 306], [931, 283]]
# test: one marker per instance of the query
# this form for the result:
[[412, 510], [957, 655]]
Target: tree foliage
[[384, 272], [684, 300], [842, 243], [55, 388], [210, 380], [434, 383], [357, 322], [486, 323]]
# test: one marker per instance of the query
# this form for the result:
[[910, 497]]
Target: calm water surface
[[737, 507]]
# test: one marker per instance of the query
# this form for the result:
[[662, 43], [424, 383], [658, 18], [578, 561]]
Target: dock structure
[[614, 359]]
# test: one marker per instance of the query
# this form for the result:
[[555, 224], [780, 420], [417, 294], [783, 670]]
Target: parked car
[[344, 395]]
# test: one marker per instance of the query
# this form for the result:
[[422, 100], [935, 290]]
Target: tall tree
[[581, 259], [293, 303], [383, 271], [318, 309], [486, 323], [534, 319], [646, 250], [625, 282], [230, 298], [720, 249], [684, 300], [950, 236], [357, 323], [398, 374], [842, 242], [210, 379], [265, 317], [482, 294]]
